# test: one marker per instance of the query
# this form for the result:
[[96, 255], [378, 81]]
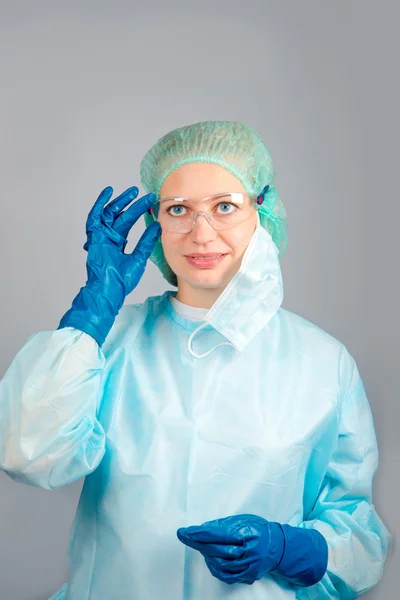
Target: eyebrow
[[201, 199]]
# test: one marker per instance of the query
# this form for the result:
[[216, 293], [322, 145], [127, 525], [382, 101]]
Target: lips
[[205, 256], [205, 261]]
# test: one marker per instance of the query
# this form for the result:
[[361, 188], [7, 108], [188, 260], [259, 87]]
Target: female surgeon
[[227, 444]]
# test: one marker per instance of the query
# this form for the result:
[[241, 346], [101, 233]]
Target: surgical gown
[[274, 422]]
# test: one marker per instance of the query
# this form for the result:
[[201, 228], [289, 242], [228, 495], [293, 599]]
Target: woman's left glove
[[243, 548]]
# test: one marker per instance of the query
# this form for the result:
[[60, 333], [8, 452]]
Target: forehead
[[198, 180]]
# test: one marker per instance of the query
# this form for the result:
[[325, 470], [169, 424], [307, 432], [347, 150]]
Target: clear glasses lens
[[222, 211]]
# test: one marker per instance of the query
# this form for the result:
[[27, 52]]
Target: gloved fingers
[[222, 550], [219, 531], [94, 217], [145, 245], [231, 566], [225, 577], [124, 222], [117, 205], [226, 552], [229, 576]]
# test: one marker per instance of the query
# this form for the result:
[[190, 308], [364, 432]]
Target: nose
[[202, 231]]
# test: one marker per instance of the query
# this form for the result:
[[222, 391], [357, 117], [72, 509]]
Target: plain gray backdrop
[[88, 87]]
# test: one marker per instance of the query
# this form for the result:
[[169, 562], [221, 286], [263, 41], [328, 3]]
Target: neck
[[198, 297]]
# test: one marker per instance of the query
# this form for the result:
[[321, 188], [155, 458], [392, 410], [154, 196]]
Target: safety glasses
[[222, 211]]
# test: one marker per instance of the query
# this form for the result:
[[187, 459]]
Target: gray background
[[88, 87]]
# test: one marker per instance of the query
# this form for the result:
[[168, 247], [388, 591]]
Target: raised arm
[[50, 395], [49, 434]]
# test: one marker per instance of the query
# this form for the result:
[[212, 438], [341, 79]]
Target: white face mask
[[250, 299]]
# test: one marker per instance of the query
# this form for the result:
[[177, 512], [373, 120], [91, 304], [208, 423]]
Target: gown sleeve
[[358, 540], [49, 396]]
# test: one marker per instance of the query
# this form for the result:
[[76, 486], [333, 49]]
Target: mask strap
[[209, 351]]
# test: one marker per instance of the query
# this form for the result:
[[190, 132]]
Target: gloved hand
[[242, 548], [112, 275]]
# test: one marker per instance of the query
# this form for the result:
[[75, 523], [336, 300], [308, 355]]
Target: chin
[[206, 278], [202, 283]]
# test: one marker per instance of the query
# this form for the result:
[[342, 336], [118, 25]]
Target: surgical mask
[[250, 299]]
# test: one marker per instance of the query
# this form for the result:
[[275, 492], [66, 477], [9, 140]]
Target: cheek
[[238, 239], [171, 245]]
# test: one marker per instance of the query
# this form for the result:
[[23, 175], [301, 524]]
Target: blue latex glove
[[243, 548], [112, 275]]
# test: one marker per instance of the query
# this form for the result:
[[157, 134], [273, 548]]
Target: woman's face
[[197, 181]]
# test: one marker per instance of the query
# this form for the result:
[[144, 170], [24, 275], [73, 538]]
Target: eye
[[176, 211], [227, 208]]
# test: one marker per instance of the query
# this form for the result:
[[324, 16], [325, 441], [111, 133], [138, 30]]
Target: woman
[[227, 443]]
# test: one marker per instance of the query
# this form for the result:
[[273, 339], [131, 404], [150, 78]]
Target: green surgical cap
[[235, 146]]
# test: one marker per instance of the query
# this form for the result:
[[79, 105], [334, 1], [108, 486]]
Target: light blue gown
[[274, 422]]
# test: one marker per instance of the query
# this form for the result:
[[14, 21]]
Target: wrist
[[277, 544], [93, 312], [305, 556]]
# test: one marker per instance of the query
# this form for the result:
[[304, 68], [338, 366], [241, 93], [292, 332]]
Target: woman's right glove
[[112, 275]]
